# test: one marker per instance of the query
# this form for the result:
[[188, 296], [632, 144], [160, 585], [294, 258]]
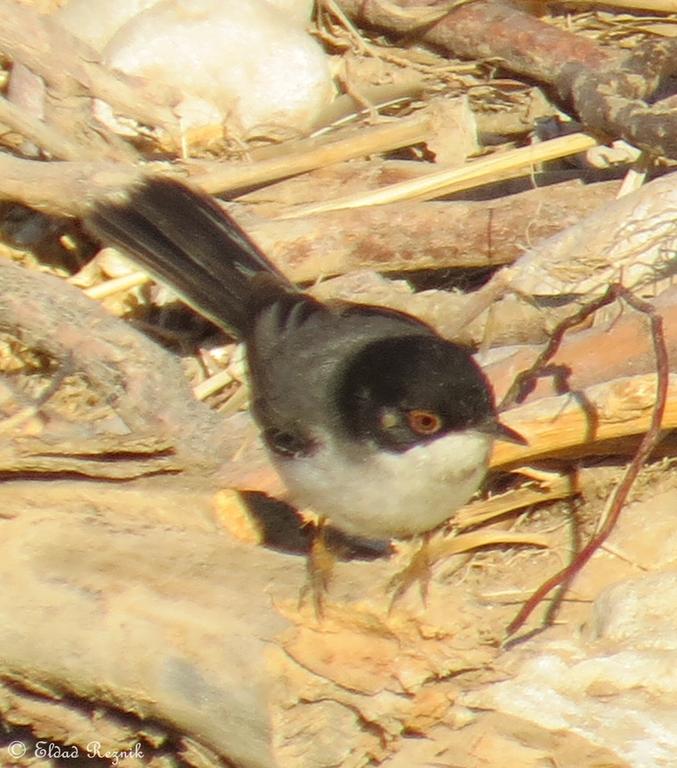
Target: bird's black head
[[404, 391]]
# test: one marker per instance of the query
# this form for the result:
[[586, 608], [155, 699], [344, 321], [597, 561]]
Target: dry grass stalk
[[448, 180], [557, 486], [116, 285]]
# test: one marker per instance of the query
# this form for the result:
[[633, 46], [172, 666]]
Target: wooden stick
[[316, 153], [48, 137], [660, 6], [571, 424]]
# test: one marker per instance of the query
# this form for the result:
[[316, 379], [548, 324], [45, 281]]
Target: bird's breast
[[377, 494]]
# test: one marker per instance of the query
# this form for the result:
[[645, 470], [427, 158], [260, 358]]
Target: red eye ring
[[424, 422]]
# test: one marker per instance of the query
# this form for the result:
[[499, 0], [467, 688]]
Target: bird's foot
[[418, 570], [319, 571]]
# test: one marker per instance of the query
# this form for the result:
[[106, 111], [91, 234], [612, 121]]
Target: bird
[[373, 420]]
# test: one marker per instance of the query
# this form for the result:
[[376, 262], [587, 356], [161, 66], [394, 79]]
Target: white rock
[[615, 683], [247, 58], [96, 21], [298, 11], [638, 613]]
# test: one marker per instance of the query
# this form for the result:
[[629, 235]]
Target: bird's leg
[[319, 569], [417, 570]]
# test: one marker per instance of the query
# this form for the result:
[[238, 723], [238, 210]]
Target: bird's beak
[[501, 431]]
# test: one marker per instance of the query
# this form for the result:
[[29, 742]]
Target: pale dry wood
[[417, 235], [159, 615], [330, 181], [571, 424], [357, 176], [448, 180], [164, 616], [137, 414], [632, 240], [98, 731], [64, 188], [105, 456], [49, 138], [116, 285], [497, 740]]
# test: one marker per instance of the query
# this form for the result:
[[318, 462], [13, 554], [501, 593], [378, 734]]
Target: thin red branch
[[647, 445]]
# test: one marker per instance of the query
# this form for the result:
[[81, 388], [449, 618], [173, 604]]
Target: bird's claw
[[319, 572], [418, 570]]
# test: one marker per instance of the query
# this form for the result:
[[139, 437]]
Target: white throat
[[376, 494]]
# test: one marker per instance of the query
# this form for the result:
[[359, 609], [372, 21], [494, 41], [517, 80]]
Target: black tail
[[184, 239]]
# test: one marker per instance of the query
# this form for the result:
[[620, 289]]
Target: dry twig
[[647, 445]]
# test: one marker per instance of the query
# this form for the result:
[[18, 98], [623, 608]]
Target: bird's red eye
[[424, 422]]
